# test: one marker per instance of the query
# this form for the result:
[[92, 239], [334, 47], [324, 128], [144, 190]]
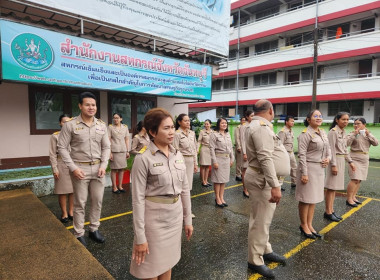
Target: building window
[[266, 47], [368, 25], [365, 68], [48, 103], [355, 108], [229, 84], [265, 79], [304, 109], [268, 13], [217, 85], [132, 107], [338, 31]]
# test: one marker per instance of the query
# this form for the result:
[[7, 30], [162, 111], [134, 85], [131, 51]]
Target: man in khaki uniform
[[268, 164], [238, 154], [87, 161], [287, 138]]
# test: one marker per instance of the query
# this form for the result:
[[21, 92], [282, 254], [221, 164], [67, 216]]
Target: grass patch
[[13, 175]]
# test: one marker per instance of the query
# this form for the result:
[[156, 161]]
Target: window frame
[[67, 107]]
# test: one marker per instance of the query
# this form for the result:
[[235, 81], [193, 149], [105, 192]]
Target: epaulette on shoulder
[[304, 131], [101, 121], [110, 124], [334, 128], [143, 150], [73, 118], [136, 136], [283, 129], [57, 132], [177, 130], [262, 123], [322, 129], [125, 125]]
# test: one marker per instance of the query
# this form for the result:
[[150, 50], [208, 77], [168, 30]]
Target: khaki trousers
[[93, 186], [293, 168], [261, 214], [238, 160]]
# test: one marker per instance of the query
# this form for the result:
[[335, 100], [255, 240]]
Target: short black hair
[[288, 117], [247, 114], [362, 120], [63, 116], [86, 94], [140, 126]]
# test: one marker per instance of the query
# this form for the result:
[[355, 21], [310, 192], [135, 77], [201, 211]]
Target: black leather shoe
[[122, 190], [238, 179], [116, 192], [358, 202], [225, 204], [336, 216], [209, 184], [64, 220], [71, 218], [316, 234], [330, 217], [262, 269], [351, 204], [82, 240], [273, 257], [245, 195], [307, 235], [293, 185], [96, 236], [219, 205], [205, 185]]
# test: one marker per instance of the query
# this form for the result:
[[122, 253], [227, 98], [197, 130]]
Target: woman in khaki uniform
[[204, 154], [161, 201], [62, 180], [140, 140], [314, 155], [222, 158], [360, 141], [119, 138], [335, 171], [244, 164]]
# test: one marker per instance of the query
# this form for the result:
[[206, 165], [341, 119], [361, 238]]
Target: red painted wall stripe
[[324, 18], [327, 97], [302, 61], [241, 3]]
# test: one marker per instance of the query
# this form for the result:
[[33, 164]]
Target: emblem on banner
[[32, 52]]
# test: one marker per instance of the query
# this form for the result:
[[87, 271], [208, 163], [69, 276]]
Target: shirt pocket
[[99, 135], [184, 143], [181, 171], [80, 135], [161, 176]]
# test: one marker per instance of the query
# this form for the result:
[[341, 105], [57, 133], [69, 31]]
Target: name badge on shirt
[[179, 161], [79, 128], [158, 164]]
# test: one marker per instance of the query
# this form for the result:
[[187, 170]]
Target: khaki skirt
[[189, 162], [312, 192], [361, 162], [63, 185], [336, 182], [222, 174], [119, 160], [163, 230], [204, 156]]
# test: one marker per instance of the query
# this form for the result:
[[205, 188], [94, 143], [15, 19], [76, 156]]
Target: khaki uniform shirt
[[338, 144], [360, 143], [204, 138], [117, 137], [154, 174], [242, 138], [221, 144], [287, 138], [53, 151], [187, 144], [265, 151], [88, 143], [237, 137], [138, 142], [312, 147]]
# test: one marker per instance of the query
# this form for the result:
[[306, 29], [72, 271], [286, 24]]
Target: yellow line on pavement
[[307, 242], [130, 212]]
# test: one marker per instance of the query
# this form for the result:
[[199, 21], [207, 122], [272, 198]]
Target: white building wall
[[174, 109], [16, 140]]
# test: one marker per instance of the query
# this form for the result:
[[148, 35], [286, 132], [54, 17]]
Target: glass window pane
[[122, 105], [75, 111], [304, 109], [357, 108], [48, 108], [333, 108], [143, 106]]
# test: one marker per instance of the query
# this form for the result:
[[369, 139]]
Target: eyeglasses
[[318, 116]]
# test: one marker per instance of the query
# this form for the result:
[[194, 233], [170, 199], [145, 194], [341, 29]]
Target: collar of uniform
[[154, 149], [311, 131], [208, 132], [182, 131], [80, 120], [268, 123], [339, 130]]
